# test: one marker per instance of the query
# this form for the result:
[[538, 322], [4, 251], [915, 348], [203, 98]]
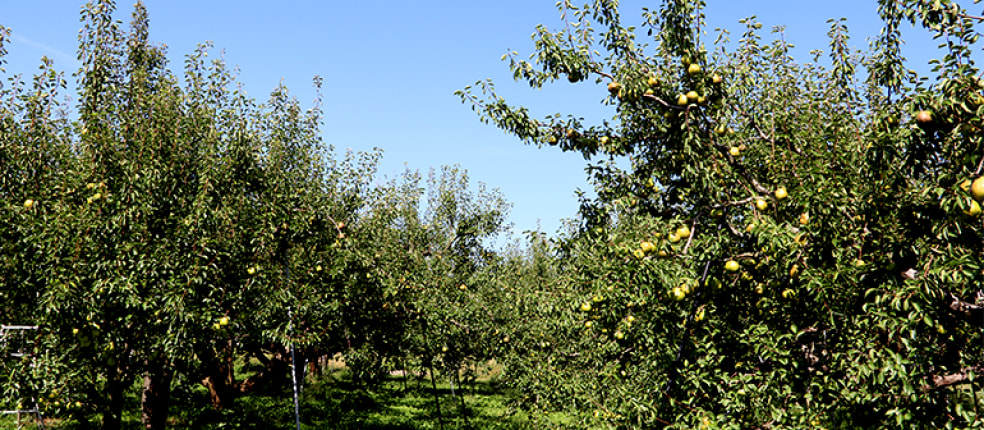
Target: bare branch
[[661, 101], [762, 134], [744, 172], [734, 203], [690, 239], [941, 381]]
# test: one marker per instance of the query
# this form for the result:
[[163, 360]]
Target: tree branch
[[971, 313], [743, 171], [942, 381]]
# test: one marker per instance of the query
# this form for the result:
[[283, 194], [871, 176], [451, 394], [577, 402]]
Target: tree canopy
[[774, 243]]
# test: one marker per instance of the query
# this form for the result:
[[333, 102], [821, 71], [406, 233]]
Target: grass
[[342, 406], [333, 402]]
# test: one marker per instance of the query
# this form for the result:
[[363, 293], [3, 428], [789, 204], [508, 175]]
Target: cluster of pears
[[647, 247], [976, 190], [686, 98]]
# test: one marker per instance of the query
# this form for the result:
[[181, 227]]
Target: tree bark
[[940, 381], [966, 311], [218, 374], [156, 396], [113, 415], [220, 382], [220, 379]]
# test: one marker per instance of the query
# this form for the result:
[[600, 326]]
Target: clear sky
[[390, 69]]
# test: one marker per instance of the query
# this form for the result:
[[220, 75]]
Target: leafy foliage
[[175, 226], [773, 243]]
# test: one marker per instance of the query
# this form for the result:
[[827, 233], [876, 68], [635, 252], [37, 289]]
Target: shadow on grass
[[330, 403], [340, 404]]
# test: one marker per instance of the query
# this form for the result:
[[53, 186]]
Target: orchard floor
[[334, 403]]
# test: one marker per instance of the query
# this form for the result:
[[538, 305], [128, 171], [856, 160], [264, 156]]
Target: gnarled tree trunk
[[220, 379]]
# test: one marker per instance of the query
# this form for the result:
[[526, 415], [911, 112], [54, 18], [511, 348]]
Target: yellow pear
[[975, 209], [977, 189]]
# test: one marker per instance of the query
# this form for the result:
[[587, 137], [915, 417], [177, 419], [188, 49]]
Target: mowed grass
[[332, 401], [409, 405]]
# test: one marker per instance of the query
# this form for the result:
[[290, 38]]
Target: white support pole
[[293, 374]]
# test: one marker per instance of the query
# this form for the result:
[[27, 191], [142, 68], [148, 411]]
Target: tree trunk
[[220, 379], [218, 375], [220, 382], [156, 396], [437, 400], [113, 416]]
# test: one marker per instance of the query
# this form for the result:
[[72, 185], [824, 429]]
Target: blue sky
[[390, 69]]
